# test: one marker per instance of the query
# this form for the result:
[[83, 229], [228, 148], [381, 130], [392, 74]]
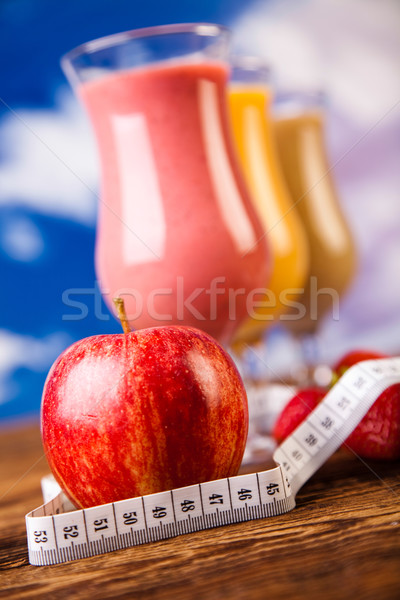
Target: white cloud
[[51, 161], [18, 351], [282, 43], [21, 239], [351, 47]]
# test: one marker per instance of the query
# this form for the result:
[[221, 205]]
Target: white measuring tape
[[57, 532]]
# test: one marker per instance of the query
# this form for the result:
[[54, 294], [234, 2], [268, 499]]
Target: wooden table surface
[[341, 541]]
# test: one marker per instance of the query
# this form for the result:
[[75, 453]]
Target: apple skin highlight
[[131, 414]]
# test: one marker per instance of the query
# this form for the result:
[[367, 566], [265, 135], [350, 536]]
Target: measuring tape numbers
[[57, 532]]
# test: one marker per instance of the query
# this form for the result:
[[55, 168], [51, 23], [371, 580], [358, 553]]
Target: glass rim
[[301, 96], [250, 62], [250, 70], [108, 41]]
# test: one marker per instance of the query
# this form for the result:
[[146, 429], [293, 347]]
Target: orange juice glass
[[250, 99]]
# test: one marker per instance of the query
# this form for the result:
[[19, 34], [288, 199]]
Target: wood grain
[[341, 541]]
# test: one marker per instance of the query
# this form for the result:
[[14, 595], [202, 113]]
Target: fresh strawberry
[[378, 434], [352, 358], [298, 409]]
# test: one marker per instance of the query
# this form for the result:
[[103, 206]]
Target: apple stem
[[121, 314]]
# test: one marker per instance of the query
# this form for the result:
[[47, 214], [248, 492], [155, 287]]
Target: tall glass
[[177, 236], [250, 98], [250, 95], [299, 129]]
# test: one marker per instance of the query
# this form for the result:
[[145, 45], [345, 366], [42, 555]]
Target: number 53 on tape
[[57, 532]]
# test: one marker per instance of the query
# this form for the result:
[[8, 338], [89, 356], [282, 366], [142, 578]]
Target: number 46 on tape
[[57, 532]]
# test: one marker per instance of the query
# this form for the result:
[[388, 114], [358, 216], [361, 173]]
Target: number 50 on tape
[[57, 532]]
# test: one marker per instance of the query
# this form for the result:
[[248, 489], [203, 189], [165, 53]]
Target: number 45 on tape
[[57, 532]]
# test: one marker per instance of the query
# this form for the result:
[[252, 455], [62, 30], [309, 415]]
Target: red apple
[[136, 413]]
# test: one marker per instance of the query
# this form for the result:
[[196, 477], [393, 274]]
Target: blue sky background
[[49, 173]]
